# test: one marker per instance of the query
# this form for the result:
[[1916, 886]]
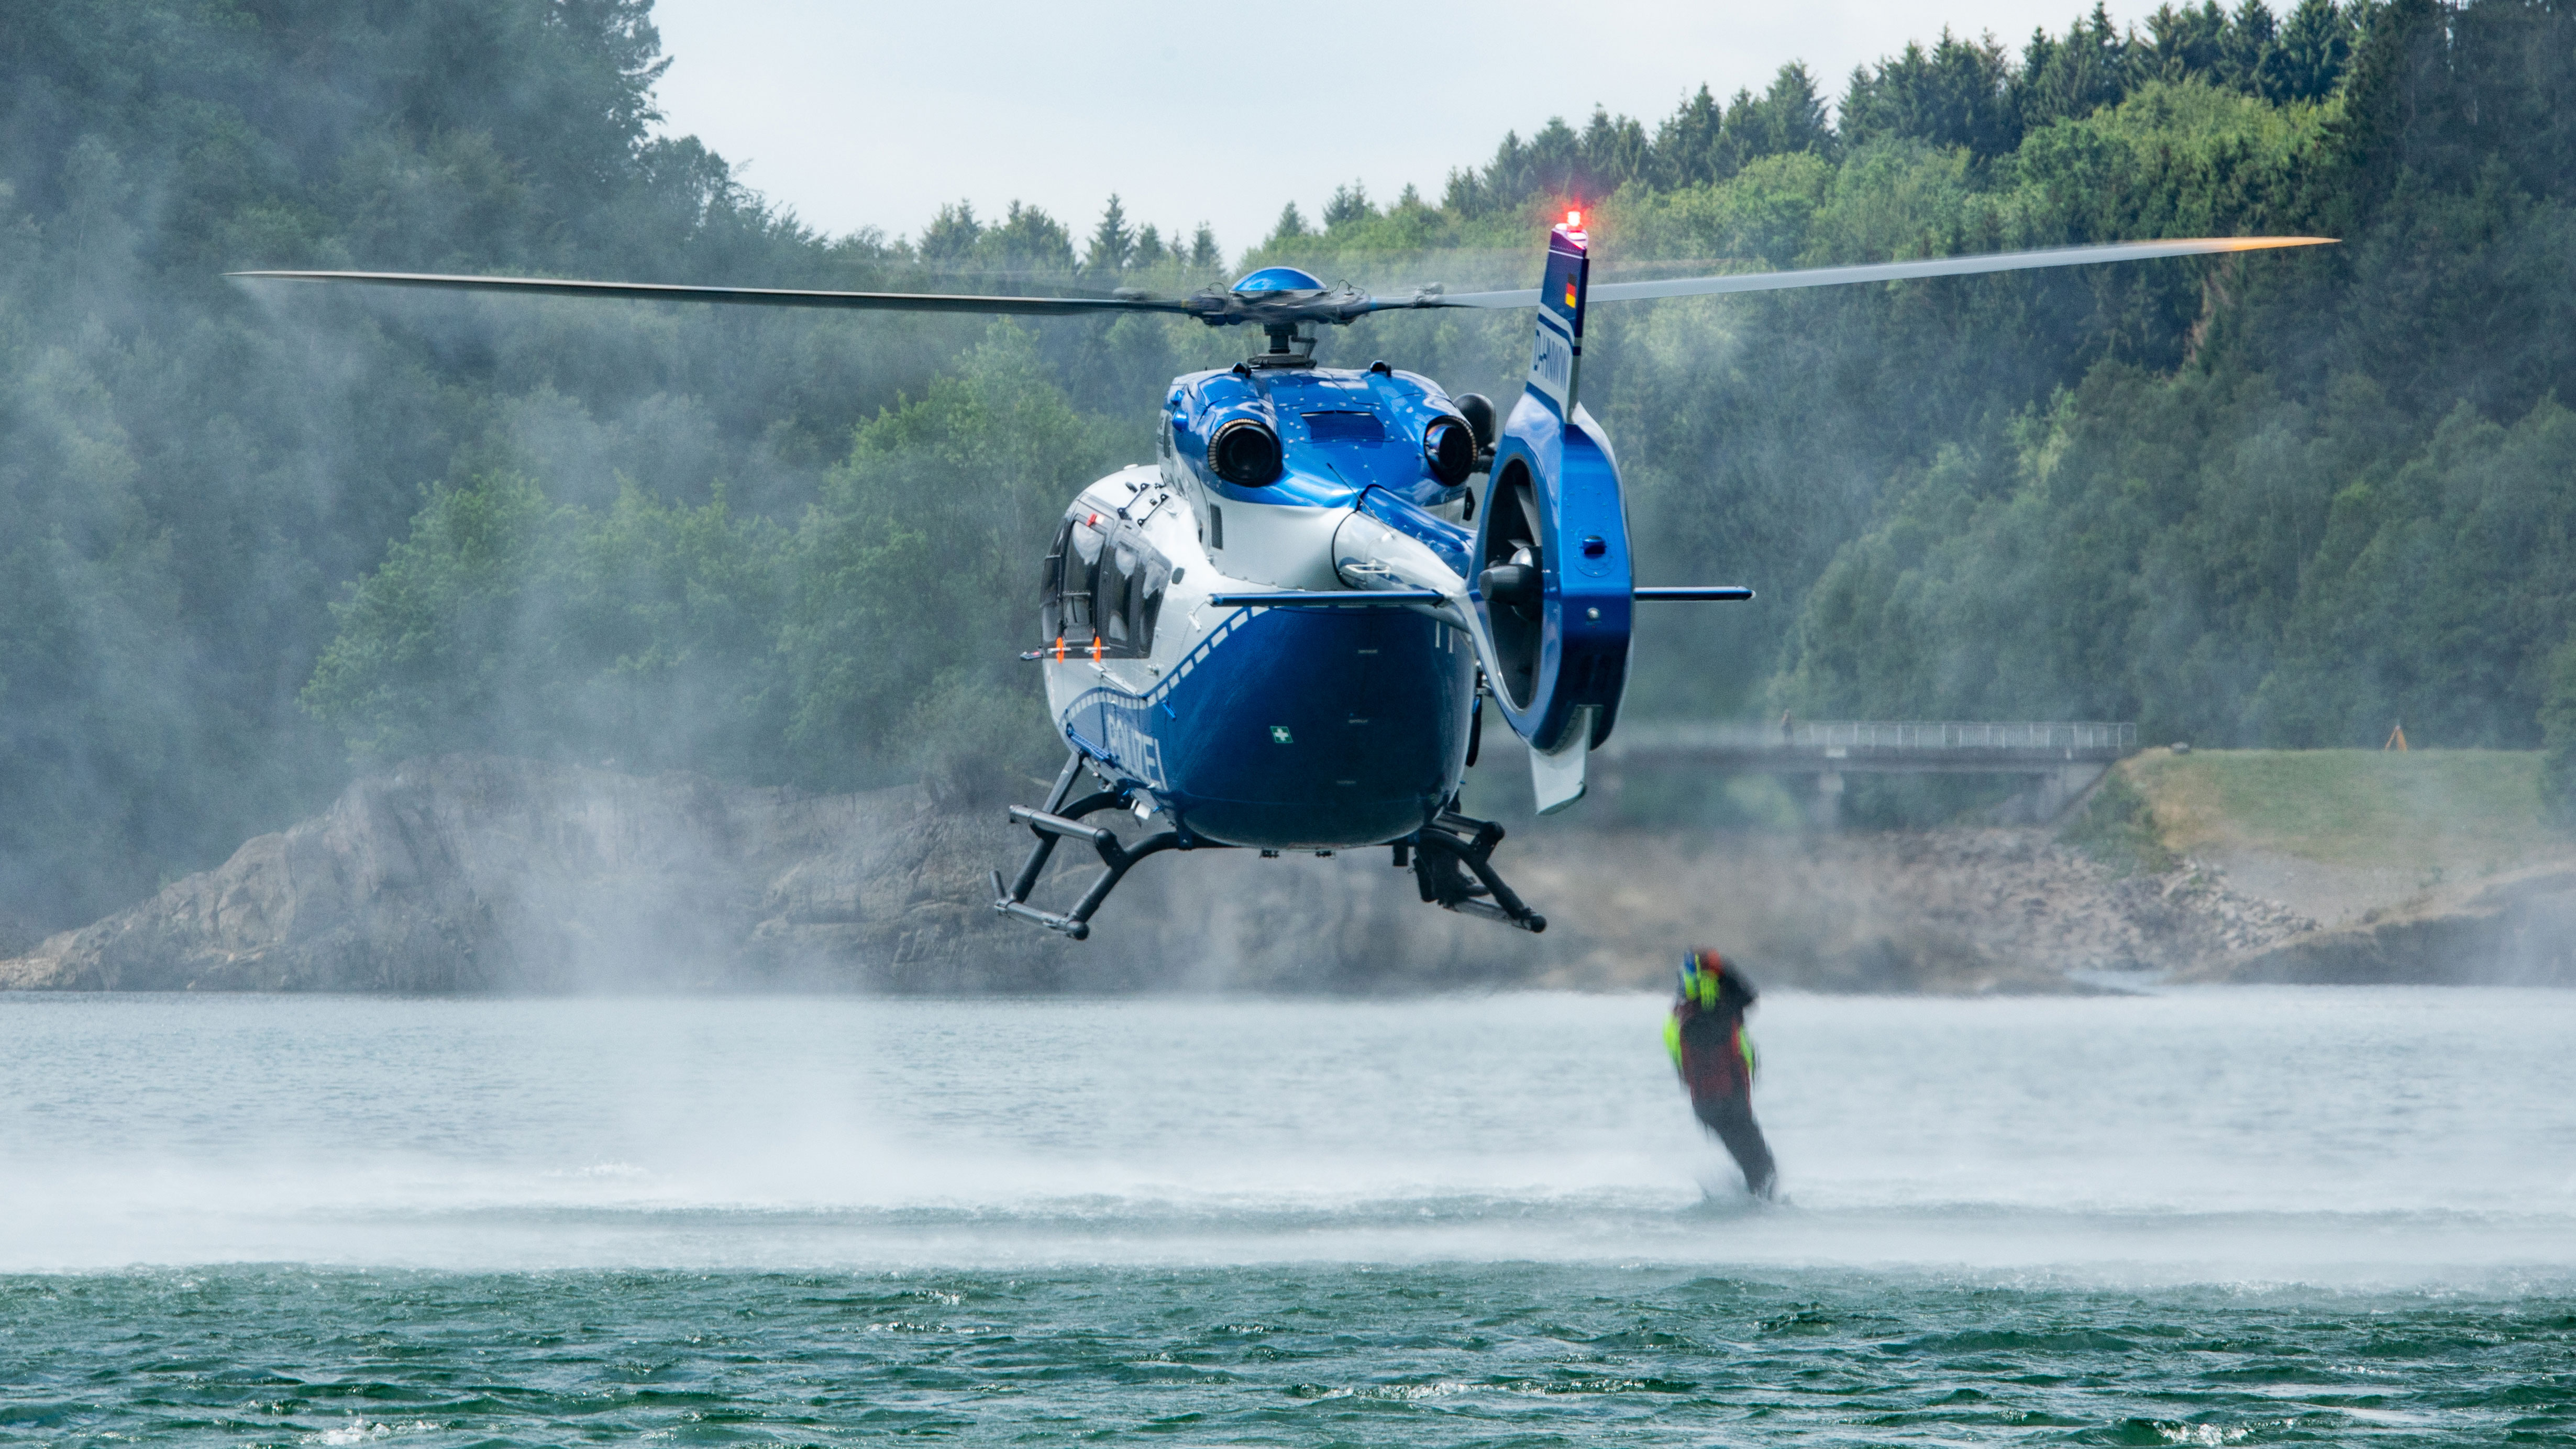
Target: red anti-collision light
[[1574, 220]]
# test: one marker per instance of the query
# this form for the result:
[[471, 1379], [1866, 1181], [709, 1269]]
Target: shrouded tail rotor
[[1514, 583]]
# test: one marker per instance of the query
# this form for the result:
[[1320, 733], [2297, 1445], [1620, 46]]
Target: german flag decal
[[1569, 289]]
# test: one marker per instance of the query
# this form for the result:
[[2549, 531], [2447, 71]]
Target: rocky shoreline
[[2518, 929], [482, 875]]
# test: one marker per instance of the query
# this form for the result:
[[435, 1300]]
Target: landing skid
[[1451, 849], [1451, 860], [1062, 821]]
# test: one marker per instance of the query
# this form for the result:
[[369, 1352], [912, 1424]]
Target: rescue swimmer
[[1705, 1035]]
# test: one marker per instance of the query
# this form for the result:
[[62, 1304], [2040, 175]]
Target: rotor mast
[[1292, 344]]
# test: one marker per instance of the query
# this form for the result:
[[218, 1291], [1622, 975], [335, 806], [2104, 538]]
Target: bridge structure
[[2061, 759]]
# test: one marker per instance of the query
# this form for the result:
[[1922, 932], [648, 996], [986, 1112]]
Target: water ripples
[[1454, 1353]]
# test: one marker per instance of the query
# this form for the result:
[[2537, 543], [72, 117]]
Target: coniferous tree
[[1027, 241], [1613, 154], [1790, 117], [951, 235], [1691, 147], [2247, 53], [2186, 44], [1349, 204], [2311, 52], [2068, 77], [1112, 244], [1956, 94]]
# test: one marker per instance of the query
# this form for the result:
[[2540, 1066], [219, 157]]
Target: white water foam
[[2232, 1134]]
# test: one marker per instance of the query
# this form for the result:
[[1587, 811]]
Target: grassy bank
[[2468, 809]]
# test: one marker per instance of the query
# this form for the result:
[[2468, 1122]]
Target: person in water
[[1706, 1036]]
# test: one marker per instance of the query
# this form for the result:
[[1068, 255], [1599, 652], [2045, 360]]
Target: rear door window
[[1145, 602], [1109, 604]]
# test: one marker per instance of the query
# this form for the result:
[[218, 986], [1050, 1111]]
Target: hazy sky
[[874, 114]]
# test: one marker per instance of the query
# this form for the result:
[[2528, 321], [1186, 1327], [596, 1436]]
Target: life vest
[[1710, 1050]]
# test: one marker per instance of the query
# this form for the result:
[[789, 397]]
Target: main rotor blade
[[1884, 271], [741, 296]]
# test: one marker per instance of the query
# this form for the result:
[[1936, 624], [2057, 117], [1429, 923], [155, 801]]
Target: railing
[[1910, 736]]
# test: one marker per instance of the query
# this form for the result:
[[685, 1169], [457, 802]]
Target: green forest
[[254, 540]]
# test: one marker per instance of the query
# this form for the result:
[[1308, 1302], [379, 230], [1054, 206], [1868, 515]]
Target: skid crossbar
[[1060, 821]]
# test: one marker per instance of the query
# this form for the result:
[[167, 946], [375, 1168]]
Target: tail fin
[[1556, 353], [1553, 588]]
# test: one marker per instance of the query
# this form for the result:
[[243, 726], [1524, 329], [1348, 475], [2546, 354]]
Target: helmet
[[1702, 969]]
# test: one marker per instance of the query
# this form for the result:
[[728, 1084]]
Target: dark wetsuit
[[1717, 1067]]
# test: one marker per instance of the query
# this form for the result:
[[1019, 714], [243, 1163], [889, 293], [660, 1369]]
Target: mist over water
[[2226, 1135], [2208, 1217]]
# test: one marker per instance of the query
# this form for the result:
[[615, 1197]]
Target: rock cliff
[[492, 875]]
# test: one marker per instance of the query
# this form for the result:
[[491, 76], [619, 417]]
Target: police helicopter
[[1284, 632]]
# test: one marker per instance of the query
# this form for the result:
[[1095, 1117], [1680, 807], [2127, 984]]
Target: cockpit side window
[[1103, 582]]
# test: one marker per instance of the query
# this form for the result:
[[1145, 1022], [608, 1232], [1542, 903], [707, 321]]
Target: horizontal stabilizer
[[1695, 593]]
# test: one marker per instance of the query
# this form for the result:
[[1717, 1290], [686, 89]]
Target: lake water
[[2213, 1216]]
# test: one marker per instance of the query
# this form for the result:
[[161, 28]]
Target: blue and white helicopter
[[1282, 633]]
